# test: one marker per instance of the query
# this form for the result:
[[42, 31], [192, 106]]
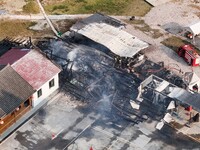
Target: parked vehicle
[[189, 54]]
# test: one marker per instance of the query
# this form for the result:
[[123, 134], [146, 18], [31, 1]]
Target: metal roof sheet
[[116, 39], [13, 55], [108, 32], [194, 28], [192, 99]]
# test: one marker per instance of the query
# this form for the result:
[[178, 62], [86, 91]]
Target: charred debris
[[94, 74], [7, 43]]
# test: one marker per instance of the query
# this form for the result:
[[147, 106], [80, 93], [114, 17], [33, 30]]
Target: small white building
[[194, 28], [40, 73], [192, 81], [36, 69]]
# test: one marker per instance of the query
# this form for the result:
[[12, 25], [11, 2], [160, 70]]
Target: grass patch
[[142, 26], [31, 8], [14, 28], [137, 8], [156, 33], [174, 42], [136, 22], [110, 7], [59, 9], [32, 23], [17, 28]]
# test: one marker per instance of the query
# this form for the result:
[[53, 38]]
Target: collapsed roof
[[108, 32], [191, 80], [166, 89]]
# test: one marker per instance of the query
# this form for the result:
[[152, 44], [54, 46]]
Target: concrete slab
[[157, 2], [53, 128]]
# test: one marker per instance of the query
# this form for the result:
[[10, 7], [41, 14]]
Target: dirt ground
[[12, 6]]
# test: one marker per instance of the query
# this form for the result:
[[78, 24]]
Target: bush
[[31, 8], [60, 7], [80, 1]]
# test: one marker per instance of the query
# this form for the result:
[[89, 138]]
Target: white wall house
[[40, 72], [45, 90], [29, 74]]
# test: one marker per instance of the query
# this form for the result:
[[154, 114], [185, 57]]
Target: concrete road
[[68, 122], [53, 17]]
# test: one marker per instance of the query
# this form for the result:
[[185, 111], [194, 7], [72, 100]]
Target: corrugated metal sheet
[[13, 55], [194, 28], [116, 39], [186, 97]]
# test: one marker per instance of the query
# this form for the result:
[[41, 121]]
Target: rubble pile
[[93, 76]]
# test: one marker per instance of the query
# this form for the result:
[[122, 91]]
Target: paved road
[[56, 17]]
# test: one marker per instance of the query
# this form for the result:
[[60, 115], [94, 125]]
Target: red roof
[[12, 56], [35, 68]]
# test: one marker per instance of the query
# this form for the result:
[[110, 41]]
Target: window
[[39, 92], [51, 83], [26, 103]]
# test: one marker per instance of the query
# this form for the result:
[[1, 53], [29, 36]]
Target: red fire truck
[[189, 54]]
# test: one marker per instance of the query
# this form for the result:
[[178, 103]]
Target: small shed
[[194, 28], [192, 80]]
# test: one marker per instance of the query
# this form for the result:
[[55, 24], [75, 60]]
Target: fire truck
[[189, 54]]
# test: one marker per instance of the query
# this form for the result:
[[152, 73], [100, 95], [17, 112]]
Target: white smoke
[[72, 54]]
